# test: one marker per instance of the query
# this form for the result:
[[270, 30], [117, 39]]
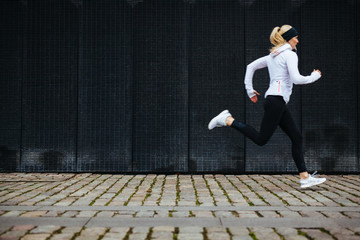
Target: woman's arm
[[250, 70], [295, 76]]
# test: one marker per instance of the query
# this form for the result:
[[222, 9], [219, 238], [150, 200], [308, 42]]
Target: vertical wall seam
[[244, 70], [22, 82], [132, 84], [187, 53], [79, 55], [357, 75]]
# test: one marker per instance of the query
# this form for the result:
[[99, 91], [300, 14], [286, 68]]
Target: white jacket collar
[[281, 49]]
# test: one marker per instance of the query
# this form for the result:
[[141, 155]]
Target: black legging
[[276, 114]]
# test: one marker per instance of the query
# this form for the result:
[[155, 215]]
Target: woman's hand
[[254, 98], [317, 70]]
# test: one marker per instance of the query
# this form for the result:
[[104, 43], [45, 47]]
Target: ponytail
[[275, 37]]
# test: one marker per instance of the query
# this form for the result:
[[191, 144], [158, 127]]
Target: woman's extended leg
[[287, 124], [274, 107]]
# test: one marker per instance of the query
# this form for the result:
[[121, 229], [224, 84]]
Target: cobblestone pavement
[[105, 206]]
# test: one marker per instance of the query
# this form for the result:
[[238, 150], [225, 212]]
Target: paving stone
[[140, 230], [190, 236], [218, 236], [36, 237], [336, 215], [218, 229], [23, 228], [162, 235], [93, 231], [163, 229], [105, 214], [269, 214], [242, 238], [145, 214], [86, 214], [45, 229], [71, 229], [342, 233], [62, 236], [13, 234], [247, 214], [353, 214], [138, 236], [114, 235], [34, 214], [264, 233], [192, 229], [202, 213], [317, 234], [70, 214], [239, 231], [12, 213]]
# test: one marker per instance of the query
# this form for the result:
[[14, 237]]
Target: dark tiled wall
[[130, 85]]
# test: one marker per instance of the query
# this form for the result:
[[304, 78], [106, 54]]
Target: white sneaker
[[219, 120], [312, 180]]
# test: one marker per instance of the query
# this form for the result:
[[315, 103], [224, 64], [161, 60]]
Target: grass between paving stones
[[282, 200], [176, 233], [22, 193], [77, 234], [304, 235], [225, 193], [319, 192], [136, 189], [102, 235], [128, 234], [327, 232], [211, 193], [191, 214], [59, 190], [178, 191], [149, 191], [198, 203], [252, 190], [253, 236], [148, 236], [235, 213], [230, 234], [47, 196], [350, 193], [292, 193], [117, 194], [93, 201], [279, 179], [204, 233], [78, 190], [245, 197], [281, 236], [162, 191]]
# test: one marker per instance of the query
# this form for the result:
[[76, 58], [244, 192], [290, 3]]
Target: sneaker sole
[[212, 122], [311, 185]]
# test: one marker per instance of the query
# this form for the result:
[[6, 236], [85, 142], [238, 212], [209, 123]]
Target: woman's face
[[293, 42]]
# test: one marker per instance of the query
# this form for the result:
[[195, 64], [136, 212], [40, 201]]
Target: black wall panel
[[11, 48], [261, 17], [105, 112], [328, 106], [216, 75], [160, 128], [49, 95]]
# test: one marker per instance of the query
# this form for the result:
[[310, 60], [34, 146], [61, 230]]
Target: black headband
[[289, 34]]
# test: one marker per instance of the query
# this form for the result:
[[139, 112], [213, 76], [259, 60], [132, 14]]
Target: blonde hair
[[275, 37]]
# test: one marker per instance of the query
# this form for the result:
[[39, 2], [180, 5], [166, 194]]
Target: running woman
[[282, 64]]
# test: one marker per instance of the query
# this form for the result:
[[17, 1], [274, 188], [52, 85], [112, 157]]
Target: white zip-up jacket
[[283, 70]]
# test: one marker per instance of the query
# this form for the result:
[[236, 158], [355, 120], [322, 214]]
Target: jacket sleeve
[[295, 76], [250, 70]]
